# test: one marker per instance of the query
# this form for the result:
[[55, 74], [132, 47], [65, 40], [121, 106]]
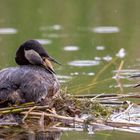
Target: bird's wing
[[33, 57]]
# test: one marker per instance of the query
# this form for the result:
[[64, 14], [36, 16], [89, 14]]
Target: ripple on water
[[8, 31], [44, 41], [55, 27], [71, 48], [91, 73], [107, 58], [83, 73], [127, 72], [105, 29], [120, 77], [55, 35], [63, 78], [124, 86], [100, 48], [74, 73], [84, 63], [98, 58]]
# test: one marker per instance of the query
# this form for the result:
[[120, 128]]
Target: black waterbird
[[33, 80]]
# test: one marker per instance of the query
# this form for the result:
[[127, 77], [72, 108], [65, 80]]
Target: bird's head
[[32, 52]]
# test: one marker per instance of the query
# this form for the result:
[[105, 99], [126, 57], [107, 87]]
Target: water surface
[[90, 38]]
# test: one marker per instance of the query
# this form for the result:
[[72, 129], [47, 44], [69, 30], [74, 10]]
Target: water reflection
[[124, 86], [76, 27], [105, 29], [71, 48], [44, 41], [31, 135], [55, 35], [100, 48], [8, 31], [124, 74], [56, 27], [84, 63], [91, 73], [64, 78], [120, 76], [83, 73], [107, 58], [121, 53], [51, 28], [130, 115], [97, 58], [127, 72], [74, 73]]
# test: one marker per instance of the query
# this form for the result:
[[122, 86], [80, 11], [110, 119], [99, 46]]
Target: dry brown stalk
[[118, 80], [78, 120], [26, 115], [72, 119]]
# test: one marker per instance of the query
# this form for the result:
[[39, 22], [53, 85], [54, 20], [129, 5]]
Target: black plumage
[[33, 80]]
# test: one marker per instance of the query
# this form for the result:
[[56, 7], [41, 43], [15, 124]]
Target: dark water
[[91, 38]]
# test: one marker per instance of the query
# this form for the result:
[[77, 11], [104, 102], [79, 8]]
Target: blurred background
[[85, 36], [93, 39]]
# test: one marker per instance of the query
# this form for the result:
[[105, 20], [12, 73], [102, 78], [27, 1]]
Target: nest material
[[63, 105]]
